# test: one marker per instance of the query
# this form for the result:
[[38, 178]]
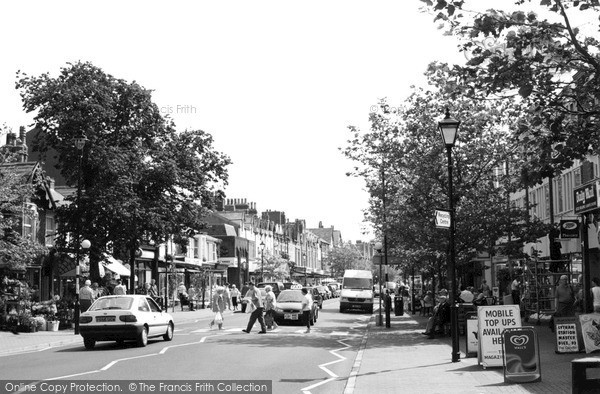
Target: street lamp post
[[379, 248], [449, 130], [79, 144], [262, 261], [304, 262]]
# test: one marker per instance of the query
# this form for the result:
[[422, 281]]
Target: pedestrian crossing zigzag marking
[[306, 390]]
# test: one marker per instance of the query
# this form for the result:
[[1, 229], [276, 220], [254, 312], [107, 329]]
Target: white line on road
[[341, 358]]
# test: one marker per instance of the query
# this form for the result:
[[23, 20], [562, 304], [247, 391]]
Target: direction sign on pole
[[442, 218]]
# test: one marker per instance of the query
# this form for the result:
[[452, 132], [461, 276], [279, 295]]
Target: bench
[[579, 380]]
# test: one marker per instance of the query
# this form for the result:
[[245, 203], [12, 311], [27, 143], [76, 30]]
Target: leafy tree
[[542, 58], [343, 258], [275, 267], [142, 181], [403, 163]]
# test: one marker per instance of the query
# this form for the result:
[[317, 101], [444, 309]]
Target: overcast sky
[[276, 83]]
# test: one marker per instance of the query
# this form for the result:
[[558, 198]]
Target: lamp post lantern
[[79, 143], [262, 261], [379, 249], [449, 130]]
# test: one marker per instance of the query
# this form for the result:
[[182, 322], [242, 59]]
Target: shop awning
[[118, 268]]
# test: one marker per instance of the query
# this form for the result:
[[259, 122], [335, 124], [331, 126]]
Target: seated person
[[480, 300], [441, 316]]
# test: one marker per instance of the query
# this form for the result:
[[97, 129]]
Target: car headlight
[[85, 319], [344, 299], [277, 309]]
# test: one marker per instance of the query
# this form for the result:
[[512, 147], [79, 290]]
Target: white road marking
[[341, 358]]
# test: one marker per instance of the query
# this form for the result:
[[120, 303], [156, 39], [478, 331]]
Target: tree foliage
[[404, 164], [546, 53], [142, 180], [345, 257]]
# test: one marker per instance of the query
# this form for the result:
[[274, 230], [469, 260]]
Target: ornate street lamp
[[449, 130], [379, 249], [262, 261], [79, 143]]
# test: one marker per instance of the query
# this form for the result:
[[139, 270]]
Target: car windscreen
[[112, 303], [290, 296], [358, 283]]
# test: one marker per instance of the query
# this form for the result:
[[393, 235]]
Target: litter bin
[[398, 306]]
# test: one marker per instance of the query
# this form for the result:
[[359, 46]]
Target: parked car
[[125, 317], [324, 292], [289, 308], [277, 286], [335, 290]]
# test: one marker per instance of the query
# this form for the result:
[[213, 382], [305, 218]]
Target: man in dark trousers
[[245, 289], [256, 301]]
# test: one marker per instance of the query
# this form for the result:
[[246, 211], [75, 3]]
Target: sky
[[275, 83]]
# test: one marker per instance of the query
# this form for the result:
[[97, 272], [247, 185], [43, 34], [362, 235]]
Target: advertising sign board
[[569, 228], [585, 198], [590, 329], [521, 355], [568, 335], [492, 321], [471, 336]]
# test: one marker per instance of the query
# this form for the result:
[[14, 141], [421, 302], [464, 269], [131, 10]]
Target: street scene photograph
[[333, 197]]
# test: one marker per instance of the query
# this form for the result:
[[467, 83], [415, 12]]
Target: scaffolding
[[540, 280]]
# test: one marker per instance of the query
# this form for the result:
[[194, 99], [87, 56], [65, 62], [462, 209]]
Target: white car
[[125, 317]]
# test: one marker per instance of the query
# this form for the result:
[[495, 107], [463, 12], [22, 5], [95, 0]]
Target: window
[[50, 231]]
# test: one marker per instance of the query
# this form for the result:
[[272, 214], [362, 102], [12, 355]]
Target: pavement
[[390, 360]]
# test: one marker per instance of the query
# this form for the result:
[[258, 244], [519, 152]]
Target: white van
[[357, 291]]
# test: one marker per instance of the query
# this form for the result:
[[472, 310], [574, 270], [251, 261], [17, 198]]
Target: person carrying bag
[[219, 303]]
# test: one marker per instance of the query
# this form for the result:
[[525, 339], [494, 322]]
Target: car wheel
[[169, 334], [321, 305], [89, 343], [142, 339]]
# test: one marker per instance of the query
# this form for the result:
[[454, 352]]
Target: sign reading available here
[[492, 321]]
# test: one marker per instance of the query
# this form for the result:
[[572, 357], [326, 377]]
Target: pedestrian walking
[[218, 305], [254, 298], [596, 294], [182, 295], [564, 299], [120, 289], [485, 289], [270, 304], [515, 291], [86, 296], [245, 289], [306, 308], [235, 295]]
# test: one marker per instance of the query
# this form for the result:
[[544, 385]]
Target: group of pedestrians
[[89, 292]]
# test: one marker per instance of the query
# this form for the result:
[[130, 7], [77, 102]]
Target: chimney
[[23, 154]]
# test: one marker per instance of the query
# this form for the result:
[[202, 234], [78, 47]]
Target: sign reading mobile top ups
[[586, 197]]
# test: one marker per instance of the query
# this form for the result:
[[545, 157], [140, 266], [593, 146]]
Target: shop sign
[[569, 229], [590, 329], [586, 198], [521, 355], [568, 335], [492, 321]]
